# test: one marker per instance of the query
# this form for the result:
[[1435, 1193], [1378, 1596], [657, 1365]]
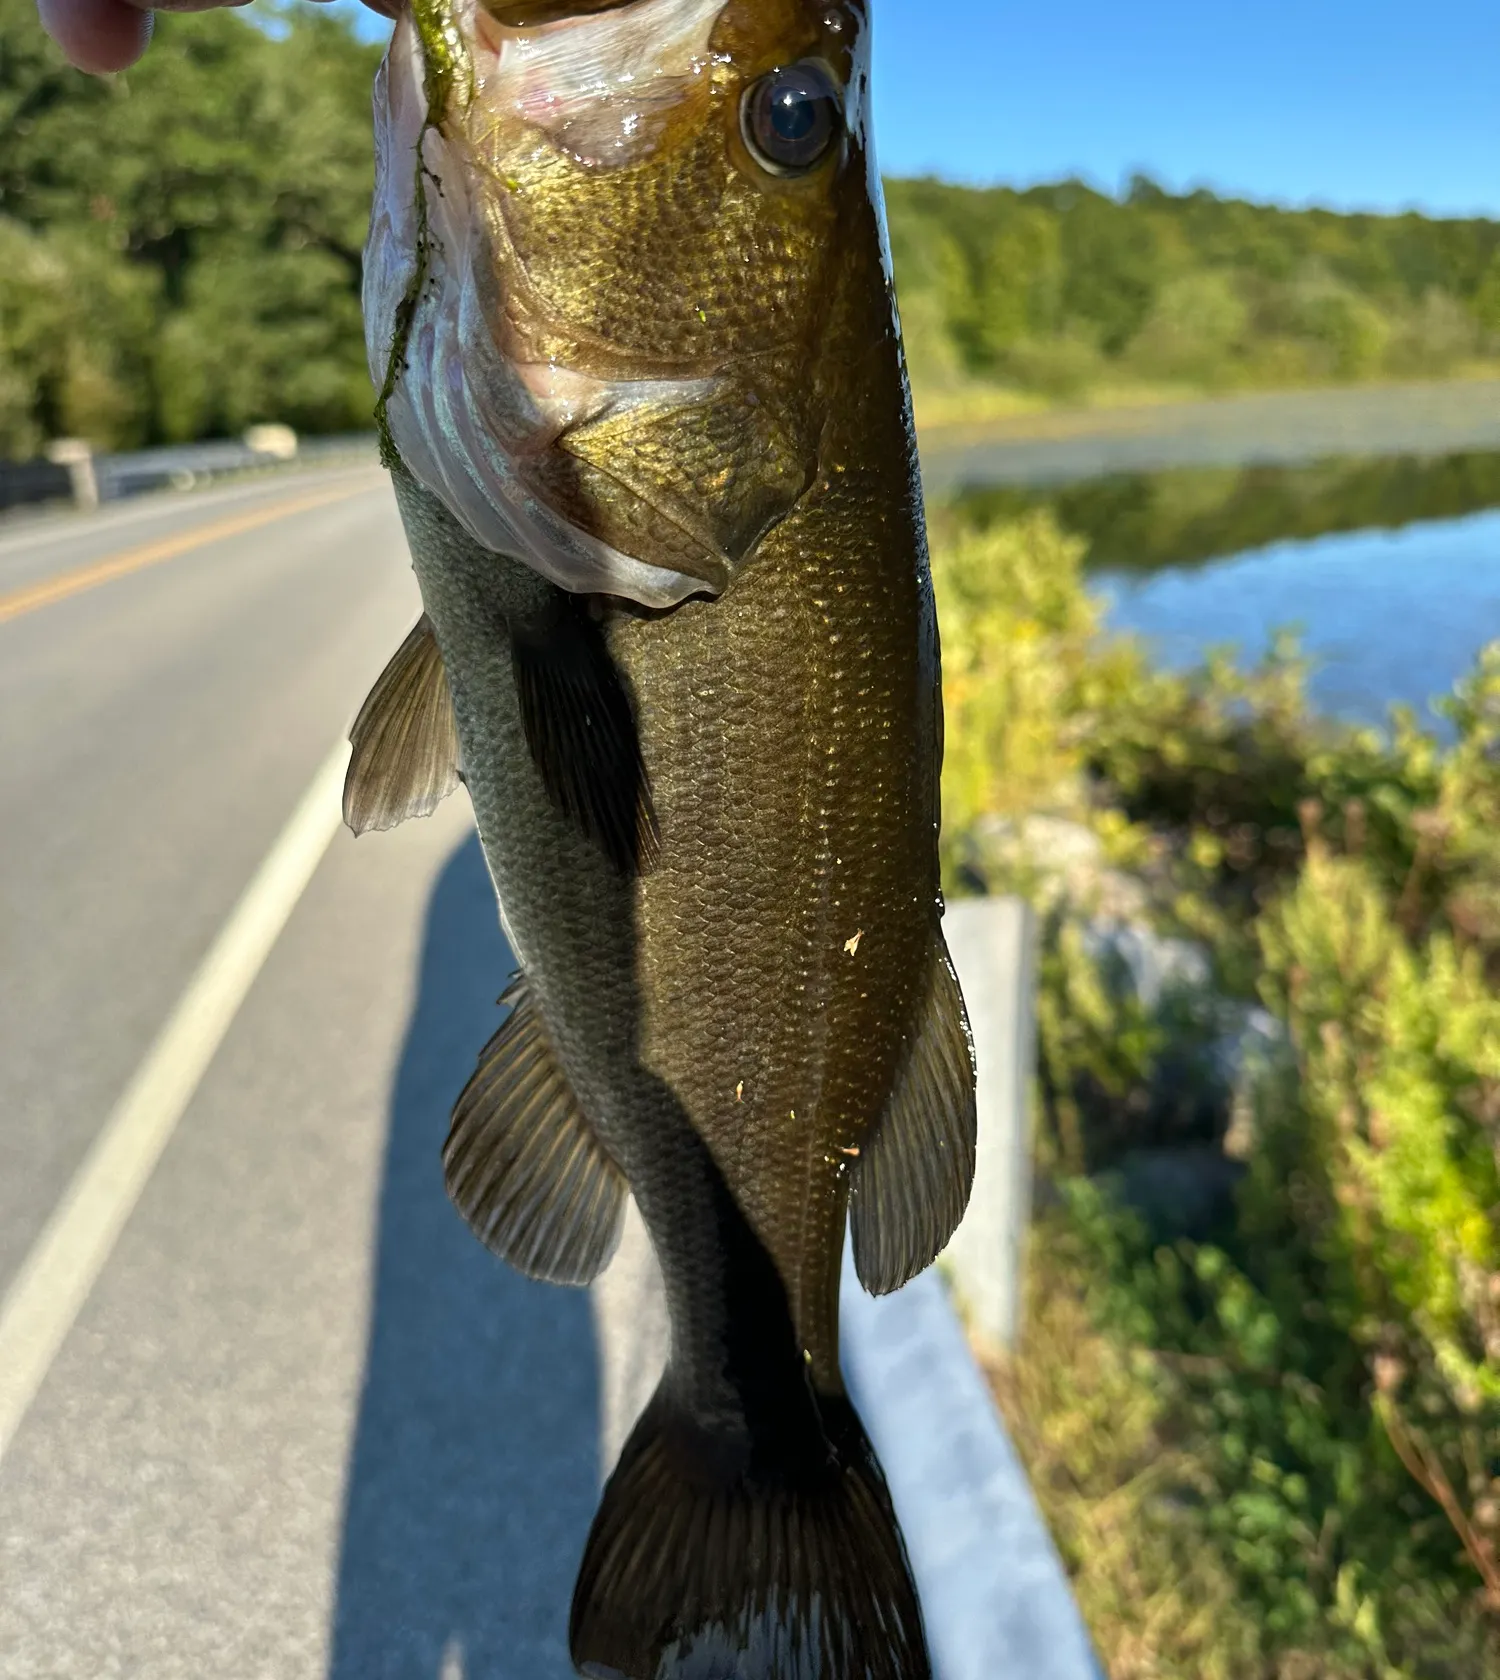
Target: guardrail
[[22, 482], [993, 943], [180, 467], [73, 472]]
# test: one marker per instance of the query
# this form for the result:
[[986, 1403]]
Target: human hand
[[105, 35]]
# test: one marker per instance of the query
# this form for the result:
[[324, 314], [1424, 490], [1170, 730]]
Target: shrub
[[1273, 1451]]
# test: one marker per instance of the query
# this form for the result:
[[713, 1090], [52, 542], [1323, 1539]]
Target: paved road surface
[[1278, 428], [303, 1425]]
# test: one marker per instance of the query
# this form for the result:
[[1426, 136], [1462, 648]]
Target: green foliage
[[1059, 287], [1328, 1556], [72, 323], [1019, 664], [1294, 1419], [1096, 1418], [1198, 323], [181, 244], [1099, 1044], [1487, 297]]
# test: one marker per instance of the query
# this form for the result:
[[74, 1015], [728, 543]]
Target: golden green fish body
[[789, 730], [645, 400]]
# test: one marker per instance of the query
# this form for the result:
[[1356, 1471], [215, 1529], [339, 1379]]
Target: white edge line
[[57, 1275]]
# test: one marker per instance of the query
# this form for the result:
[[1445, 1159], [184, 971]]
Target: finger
[[97, 35]]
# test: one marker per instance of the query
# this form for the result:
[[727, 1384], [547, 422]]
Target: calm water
[[1389, 568], [1385, 615]]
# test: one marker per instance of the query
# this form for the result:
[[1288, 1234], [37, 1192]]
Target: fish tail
[[698, 1568]]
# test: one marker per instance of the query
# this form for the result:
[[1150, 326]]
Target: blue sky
[[1372, 104]]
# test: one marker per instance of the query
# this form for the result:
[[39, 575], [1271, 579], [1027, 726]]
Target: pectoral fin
[[911, 1182], [523, 1164], [405, 759], [581, 730]]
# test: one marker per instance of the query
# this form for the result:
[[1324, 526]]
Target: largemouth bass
[[628, 303]]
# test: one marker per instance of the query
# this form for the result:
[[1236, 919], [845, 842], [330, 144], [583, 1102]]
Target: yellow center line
[[33, 595]]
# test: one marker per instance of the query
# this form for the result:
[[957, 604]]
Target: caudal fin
[[695, 1573]]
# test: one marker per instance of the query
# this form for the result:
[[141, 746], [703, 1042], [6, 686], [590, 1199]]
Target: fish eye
[[792, 118]]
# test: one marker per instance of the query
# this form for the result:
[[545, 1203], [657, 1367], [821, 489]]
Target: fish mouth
[[607, 472]]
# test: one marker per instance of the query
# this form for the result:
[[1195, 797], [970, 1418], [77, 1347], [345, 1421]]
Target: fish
[[630, 312]]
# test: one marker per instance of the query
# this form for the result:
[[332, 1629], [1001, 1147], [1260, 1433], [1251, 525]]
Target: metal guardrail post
[[993, 943], [25, 482]]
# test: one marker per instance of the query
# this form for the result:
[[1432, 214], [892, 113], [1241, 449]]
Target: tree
[[211, 206]]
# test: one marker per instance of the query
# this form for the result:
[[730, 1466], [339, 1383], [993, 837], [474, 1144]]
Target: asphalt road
[[303, 1426]]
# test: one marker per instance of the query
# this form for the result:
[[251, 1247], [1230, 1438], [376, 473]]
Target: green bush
[[1312, 1390], [1021, 662]]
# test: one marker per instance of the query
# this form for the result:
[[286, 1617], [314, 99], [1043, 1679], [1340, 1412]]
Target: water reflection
[[1141, 522], [1385, 616]]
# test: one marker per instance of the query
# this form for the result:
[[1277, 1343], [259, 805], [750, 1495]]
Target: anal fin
[[911, 1182], [405, 740], [522, 1162], [581, 729]]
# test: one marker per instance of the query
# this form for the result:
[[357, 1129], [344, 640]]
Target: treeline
[[180, 256], [180, 246], [1060, 287]]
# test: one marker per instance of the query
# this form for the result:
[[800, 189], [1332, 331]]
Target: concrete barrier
[[997, 1599], [77, 455], [630, 1324], [993, 942]]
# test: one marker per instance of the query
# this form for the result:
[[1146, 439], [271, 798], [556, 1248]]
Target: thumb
[[97, 35]]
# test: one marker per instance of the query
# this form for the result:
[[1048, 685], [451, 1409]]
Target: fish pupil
[[792, 118], [792, 114]]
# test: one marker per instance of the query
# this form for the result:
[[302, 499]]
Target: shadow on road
[[475, 1464]]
